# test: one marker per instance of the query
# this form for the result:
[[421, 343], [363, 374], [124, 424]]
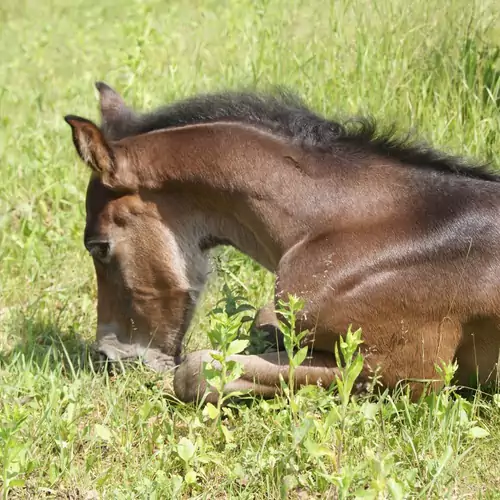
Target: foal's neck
[[247, 181], [263, 193]]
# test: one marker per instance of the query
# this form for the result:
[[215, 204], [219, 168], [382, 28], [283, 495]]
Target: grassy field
[[69, 432]]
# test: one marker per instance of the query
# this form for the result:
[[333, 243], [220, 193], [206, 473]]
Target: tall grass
[[68, 432]]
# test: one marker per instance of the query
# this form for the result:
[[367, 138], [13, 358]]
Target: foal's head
[[148, 278], [146, 293]]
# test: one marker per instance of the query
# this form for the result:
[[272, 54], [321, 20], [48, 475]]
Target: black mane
[[285, 114]]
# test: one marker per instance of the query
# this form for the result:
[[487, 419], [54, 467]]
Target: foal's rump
[[478, 354]]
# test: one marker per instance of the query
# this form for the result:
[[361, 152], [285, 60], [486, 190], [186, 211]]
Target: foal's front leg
[[261, 374]]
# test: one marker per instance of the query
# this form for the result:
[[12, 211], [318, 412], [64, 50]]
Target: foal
[[370, 231]]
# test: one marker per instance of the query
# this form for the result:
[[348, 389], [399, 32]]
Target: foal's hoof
[[189, 383]]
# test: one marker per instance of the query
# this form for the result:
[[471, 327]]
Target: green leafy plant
[[225, 328], [287, 314]]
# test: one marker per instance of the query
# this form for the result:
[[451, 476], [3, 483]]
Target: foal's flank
[[370, 231]]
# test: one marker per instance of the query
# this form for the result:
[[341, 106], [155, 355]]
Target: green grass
[[68, 432]]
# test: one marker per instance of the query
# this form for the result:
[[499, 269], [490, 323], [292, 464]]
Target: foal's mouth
[[115, 361]]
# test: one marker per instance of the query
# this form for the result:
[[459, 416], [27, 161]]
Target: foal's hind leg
[[261, 374], [478, 356], [410, 357]]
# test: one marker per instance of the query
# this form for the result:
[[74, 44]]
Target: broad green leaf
[[190, 476], [357, 366], [368, 494], [301, 431], [102, 432], [445, 457], [369, 410], [264, 405], [211, 411], [185, 449], [227, 433], [332, 417], [318, 450], [69, 414], [215, 382], [235, 368], [237, 346], [340, 385], [478, 432], [176, 482], [463, 417], [299, 357], [395, 489], [217, 356], [16, 483]]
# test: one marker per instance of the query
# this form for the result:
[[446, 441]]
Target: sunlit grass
[[68, 432]]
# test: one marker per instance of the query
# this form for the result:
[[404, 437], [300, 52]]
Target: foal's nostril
[[99, 249]]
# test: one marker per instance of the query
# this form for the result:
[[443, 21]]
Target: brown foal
[[370, 231]]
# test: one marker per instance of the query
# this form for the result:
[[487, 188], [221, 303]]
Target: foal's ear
[[113, 107], [91, 145]]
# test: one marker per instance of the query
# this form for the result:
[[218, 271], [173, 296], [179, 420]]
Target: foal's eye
[[99, 250]]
